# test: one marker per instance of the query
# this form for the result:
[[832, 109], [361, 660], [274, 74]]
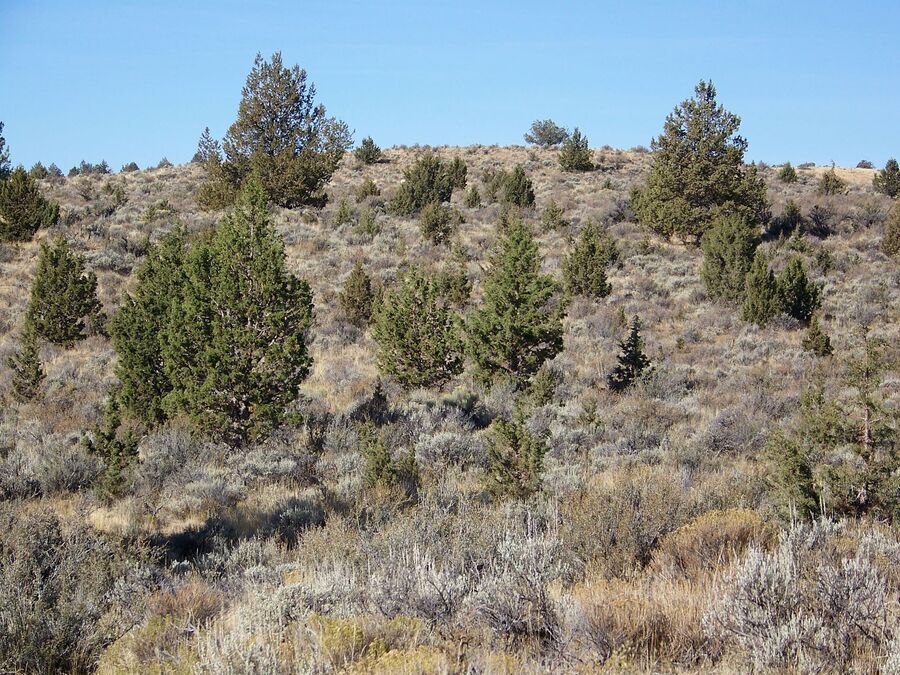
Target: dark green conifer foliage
[[63, 296], [552, 218], [368, 151], [426, 181], [23, 210], [235, 349], [728, 249], [831, 184], [890, 242], [516, 329], [816, 340], [760, 292], [515, 459], [417, 335], [282, 137], [473, 198], [139, 328], [575, 155], [437, 222], [4, 156], [788, 174], [518, 188], [887, 181], [584, 270], [357, 296], [457, 172], [546, 134], [27, 370], [698, 171], [798, 296], [791, 479], [542, 387], [632, 361], [116, 444]]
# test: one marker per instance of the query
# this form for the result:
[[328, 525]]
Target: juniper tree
[[23, 210], [760, 292], [890, 242], [235, 347], [697, 172], [139, 328], [516, 329], [788, 174], [632, 361], [115, 443], [518, 188], [282, 137], [887, 181], [575, 155], [368, 151], [728, 249], [552, 218], [27, 370], [546, 134], [456, 173], [831, 184], [356, 297], [473, 198], [426, 181], [63, 296], [437, 222], [417, 335], [4, 156], [584, 270], [798, 296], [816, 340], [515, 459]]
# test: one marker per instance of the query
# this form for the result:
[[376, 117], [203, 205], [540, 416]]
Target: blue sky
[[136, 81]]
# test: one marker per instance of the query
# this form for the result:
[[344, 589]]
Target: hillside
[[654, 502]]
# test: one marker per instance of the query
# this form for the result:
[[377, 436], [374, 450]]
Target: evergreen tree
[[515, 330], [282, 137], [788, 174], [790, 478], [698, 171], [632, 361], [890, 242], [368, 152], [887, 181], [426, 181], [816, 340], [116, 444], [798, 296], [473, 198], [728, 249], [138, 330], [417, 335], [515, 459], [575, 154], [584, 270], [235, 347], [4, 156], [22, 207], [760, 292], [457, 172], [831, 184], [546, 134], [356, 297], [552, 219], [518, 188], [63, 296], [27, 371], [437, 222]]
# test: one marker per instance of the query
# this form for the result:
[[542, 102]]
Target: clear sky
[[135, 81]]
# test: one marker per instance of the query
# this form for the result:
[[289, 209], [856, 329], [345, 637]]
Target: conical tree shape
[[138, 330], [760, 292], [728, 249], [816, 340], [356, 297], [575, 154], [632, 360], [417, 335], [27, 371], [515, 459], [887, 181], [518, 188], [23, 210], [515, 330], [63, 295], [584, 271], [235, 347], [797, 295]]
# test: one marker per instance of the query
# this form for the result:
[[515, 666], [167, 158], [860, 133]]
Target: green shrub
[[518, 188], [887, 181], [23, 210], [344, 213], [760, 292], [367, 189], [515, 459], [890, 242], [368, 152], [456, 172], [728, 249], [798, 296], [367, 223], [130, 167], [357, 297], [546, 134], [473, 198], [63, 296], [831, 184], [27, 371], [454, 285], [584, 270], [426, 181], [552, 218], [632, 361], [575, 155], [38, 171], [4, 156], [418, 337], [437, 222], [816, 340], [788, 174]]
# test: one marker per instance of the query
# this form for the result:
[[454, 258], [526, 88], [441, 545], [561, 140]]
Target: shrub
[[546, 134], [831, 184], [437, 222], [816, 340], [473, 198], [367, 189], [426, 181], [760, 292], [575, 155], [368, 152], [4, 156], [456, 173], [38, 171], [23, 210], [281, 136], [788, 174], [864, 164], [27, 371], [552, 218], [632, 361], [518, 188], [728, 249], [887, 181], [357, 297], [164, 164], [454, 285], [367, 223], [797, 295], [515, 330], [116, 444], [515, 459], [698, 171], [130, 167], [890, 242], [584, 270], [417, 336], [63, 296]]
